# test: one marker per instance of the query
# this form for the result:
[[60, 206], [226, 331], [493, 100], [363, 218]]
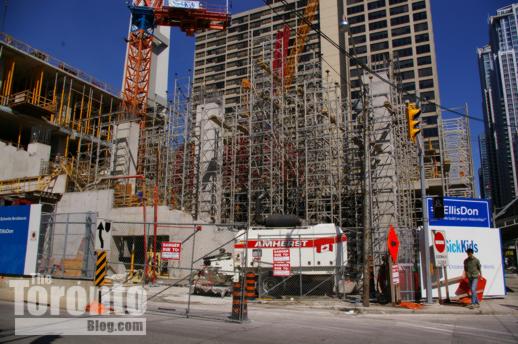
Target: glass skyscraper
[[498, 66]]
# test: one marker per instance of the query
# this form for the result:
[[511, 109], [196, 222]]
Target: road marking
[[434, 329]]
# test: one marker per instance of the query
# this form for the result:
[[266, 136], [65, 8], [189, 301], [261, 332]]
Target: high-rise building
[[223, 59], [498, 66], [401, 30], [489, 184], [483, 172]]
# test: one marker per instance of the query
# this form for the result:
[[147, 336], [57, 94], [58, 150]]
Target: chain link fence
[[187, 269], [66, 245]]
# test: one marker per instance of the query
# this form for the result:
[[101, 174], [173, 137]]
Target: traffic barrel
[[239, 304], [251, 286]]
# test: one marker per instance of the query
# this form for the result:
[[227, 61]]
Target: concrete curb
[[489, 307]]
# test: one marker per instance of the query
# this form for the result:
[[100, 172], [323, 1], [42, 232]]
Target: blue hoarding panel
[[462, 212], [14, 229]]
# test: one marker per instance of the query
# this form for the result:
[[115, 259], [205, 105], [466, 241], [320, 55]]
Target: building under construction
[[279, 136], [57, 121]]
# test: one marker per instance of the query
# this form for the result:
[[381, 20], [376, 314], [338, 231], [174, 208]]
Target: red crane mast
[[190, 16]]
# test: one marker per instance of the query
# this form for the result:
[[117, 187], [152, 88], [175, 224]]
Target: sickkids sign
[[467, 224]]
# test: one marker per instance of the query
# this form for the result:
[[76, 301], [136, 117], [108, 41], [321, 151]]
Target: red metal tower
[[190, 16]]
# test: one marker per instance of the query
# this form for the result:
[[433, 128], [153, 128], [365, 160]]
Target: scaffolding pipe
[[155, 227]]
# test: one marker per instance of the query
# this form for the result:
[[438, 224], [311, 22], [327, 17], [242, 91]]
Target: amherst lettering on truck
[[281, 243], [293, 243]]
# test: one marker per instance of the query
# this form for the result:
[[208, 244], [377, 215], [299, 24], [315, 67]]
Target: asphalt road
[[277, 325]]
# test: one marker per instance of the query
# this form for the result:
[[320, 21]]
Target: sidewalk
[[502, 306]]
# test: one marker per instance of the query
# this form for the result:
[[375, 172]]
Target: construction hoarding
[[19, 235], [486, 246]]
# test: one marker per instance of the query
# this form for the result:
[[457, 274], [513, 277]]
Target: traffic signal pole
[[413, 112], [427, 272]]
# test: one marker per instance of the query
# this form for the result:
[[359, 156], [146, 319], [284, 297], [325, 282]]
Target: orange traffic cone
[[95, 308]]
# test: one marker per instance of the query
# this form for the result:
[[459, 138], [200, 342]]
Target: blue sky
[[89, 35]]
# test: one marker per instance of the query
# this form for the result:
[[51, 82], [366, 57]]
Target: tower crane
[[302, 34], [190, 16]]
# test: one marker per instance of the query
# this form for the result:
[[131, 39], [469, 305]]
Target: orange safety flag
[[393, 243]]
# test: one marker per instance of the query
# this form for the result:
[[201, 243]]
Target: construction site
[[282, 137]]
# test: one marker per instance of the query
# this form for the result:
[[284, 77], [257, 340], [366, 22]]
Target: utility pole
[[366, 201]]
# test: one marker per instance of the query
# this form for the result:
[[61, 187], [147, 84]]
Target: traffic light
[[413, 112]]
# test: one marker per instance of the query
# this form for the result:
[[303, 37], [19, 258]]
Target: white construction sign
[[171, 250], [486, 246], [281, 262]]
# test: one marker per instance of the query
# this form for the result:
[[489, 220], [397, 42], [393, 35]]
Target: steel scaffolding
[[282, 151], [393, 172], [457, 152]]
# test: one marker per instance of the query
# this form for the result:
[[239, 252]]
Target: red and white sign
[[439, 248], [171, 250], [281, 262], [439, 241], [395, 274]]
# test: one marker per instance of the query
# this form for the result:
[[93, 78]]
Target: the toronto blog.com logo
[[41, 308]]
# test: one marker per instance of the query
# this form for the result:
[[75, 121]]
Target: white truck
[[287, 258]]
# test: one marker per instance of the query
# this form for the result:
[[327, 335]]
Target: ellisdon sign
[[461, 212]]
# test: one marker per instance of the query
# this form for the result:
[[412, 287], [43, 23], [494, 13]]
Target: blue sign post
[[14, 231], [462, 212]]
